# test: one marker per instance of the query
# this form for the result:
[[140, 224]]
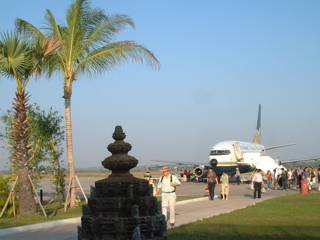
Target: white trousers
[[168, 202]]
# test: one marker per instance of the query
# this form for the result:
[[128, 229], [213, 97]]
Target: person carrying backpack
[[167, 186]]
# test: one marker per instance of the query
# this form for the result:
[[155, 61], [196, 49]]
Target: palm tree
[[88, 47], [21, 60]]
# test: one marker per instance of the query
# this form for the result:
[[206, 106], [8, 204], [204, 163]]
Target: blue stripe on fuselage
[[232, 169]]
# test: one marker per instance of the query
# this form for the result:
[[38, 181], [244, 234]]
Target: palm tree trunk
[[27, 204], [70, 148], [21, 149]]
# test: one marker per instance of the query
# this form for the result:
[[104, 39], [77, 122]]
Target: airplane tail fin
[[256, 138]]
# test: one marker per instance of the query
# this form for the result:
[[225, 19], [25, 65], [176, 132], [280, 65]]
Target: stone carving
[[121, 206]]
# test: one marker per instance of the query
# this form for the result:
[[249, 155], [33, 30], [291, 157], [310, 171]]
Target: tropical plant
[[46, 137], [21, 60], [4, 194], [88, 47]]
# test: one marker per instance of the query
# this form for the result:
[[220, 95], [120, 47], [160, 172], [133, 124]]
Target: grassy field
[[60, 214], [292, 217]]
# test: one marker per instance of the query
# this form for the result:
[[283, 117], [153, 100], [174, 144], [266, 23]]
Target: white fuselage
[[234, 153]]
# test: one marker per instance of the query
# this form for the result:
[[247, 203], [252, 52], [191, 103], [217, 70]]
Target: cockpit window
[[219, 152]]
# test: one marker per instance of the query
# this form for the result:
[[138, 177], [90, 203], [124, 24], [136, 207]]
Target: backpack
[[162, 178]]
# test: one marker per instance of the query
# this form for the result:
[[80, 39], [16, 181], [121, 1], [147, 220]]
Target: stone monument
[[121, 206]]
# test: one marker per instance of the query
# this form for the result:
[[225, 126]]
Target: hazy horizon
[[219, 60]]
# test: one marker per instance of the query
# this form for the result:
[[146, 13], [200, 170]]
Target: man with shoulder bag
[[167, 185]]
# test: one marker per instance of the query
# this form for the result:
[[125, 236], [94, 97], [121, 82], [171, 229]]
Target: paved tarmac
[[190, 189], [240, 197]]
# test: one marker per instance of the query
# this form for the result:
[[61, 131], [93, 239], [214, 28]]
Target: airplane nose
[[213, 162]]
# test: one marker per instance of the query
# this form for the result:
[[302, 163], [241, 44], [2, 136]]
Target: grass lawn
[[291, 217], [31, 219]]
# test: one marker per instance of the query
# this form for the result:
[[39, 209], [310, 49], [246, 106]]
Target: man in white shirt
[[167, 185], [257, 183]]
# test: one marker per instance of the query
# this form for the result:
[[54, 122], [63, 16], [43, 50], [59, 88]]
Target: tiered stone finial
[[121, 206], [119, 162]]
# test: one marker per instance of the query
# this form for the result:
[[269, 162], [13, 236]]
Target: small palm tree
[[88, 47], [20, 60], [15, 62]]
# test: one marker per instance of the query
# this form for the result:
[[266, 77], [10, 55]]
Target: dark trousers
[[211, 187], [284, 183], [238, 180], [257, 189], [299, 180]]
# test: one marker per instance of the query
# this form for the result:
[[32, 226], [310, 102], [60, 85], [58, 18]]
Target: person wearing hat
[[167, 185]]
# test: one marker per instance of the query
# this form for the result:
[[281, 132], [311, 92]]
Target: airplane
[[226, 156]]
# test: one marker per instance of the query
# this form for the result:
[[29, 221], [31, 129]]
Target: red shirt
[[269, 176]]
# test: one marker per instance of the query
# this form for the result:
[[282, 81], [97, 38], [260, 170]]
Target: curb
[[191, 200], [37, 226]]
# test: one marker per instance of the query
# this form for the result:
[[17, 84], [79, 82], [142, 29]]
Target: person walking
[[167, 186], [275, 179], [224, 186], [237, 175], [284, 179], [269, 180], [257, 183], [212, 180], [304, 185], [318, 178]]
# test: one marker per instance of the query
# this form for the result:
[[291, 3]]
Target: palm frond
[[74, 32], [15, 56], [41, 45], [53, 63], [57, 61], [102, 32], [29, 30], [76, 11], [115, 53], [53, 27], [91, 18], [51, 45], [48, 45]]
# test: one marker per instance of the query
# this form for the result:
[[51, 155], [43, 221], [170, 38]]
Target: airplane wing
[[301, 160], [279, 146], [176, 162]]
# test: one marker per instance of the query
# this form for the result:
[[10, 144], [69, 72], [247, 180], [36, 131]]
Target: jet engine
[[200, 172], [213, 162]]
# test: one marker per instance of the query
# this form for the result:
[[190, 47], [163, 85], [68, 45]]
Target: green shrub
[[5, 188]]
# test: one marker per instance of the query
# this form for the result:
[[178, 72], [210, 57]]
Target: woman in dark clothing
[[212, 180]]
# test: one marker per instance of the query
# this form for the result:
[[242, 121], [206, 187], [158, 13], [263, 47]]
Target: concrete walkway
[[187, 212]]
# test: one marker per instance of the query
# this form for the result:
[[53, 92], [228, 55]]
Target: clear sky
[[219, 60]]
